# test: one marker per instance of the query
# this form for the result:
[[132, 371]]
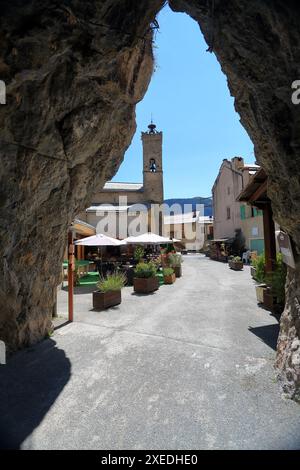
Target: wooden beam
[[71, 268], [260, 191], [269, 237]]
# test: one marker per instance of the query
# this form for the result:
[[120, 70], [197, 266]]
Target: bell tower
[[152, 165]]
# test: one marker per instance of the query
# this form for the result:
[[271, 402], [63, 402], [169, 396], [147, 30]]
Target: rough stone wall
[[258, 46], [75, 71]]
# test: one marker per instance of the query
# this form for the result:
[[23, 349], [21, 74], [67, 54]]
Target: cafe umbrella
[[99, 240]]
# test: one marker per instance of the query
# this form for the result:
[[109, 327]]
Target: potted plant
[[109, 293], [139, 253], [274, 295], [145, 280], [175, 262], [260, 290], [258, 268], [236, 263], [258, 274], [169, 276]]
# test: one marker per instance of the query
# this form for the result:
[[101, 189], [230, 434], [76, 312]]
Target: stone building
[[115, 206], [229, 213], [192, 228]]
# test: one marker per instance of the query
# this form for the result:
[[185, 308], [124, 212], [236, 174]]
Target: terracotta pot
[[236, 265], [143, 285], [103, 300], [170, 279], [178, 271]]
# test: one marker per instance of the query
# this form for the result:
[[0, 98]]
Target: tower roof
[[152, 128]]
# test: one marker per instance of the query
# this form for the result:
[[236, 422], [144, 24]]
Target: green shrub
[[168, 271], [259, 264], [112, 282], [174, 260], [138, 253], [237, 259], [170, 248], [276, 280], [145, 270]]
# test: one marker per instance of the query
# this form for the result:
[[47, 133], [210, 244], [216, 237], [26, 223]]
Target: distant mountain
[[207, 201]]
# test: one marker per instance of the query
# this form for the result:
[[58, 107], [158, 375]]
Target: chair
[[246, 257]]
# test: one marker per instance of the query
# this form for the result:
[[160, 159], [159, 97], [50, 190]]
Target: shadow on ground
[[29, 387], [268, 334], [78, 290]]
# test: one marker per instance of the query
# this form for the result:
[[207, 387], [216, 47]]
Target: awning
[[255, 193], [99, 240], [148, 239], [83, 228]]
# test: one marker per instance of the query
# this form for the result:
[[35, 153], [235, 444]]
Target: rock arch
[[74, 72]]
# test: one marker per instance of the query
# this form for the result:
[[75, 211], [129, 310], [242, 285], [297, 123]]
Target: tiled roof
[[187, 218], [115, 186]]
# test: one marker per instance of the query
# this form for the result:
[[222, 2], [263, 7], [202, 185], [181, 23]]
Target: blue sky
[[190, 102]]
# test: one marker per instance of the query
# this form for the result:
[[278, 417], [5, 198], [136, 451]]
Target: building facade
[[191, 228], [116, 206], [230, 214]]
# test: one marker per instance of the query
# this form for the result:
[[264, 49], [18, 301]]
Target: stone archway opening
[[73, 76]]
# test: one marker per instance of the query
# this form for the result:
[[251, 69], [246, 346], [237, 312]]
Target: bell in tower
[[152, 164]]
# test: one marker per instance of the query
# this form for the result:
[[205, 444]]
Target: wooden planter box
[[260, 293], [170, 279], [178, 271], [103, 300], [236, 265], [253, 271], [269, 300], [145, 285]]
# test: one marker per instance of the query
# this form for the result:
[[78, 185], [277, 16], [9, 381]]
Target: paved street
[[189, 367]]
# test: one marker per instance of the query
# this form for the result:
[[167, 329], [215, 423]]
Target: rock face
[[75, 71], [258, 46]]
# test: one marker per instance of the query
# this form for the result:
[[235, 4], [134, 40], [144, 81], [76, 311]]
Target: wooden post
[[71, 268], [269, 236]]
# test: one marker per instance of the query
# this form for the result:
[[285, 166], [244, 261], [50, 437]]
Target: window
[[243, 212], [256, 212], [228, 213], [228, 190]]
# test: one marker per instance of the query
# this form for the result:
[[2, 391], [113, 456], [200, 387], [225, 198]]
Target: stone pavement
[[189, 367]]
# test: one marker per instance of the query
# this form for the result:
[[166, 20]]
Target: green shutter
[[257, 244], [243, 212]]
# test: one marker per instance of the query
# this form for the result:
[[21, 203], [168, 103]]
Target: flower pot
[[103, 300], [178, 271], [170, 279], [260, 293], [143, 285], [236, 265]]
